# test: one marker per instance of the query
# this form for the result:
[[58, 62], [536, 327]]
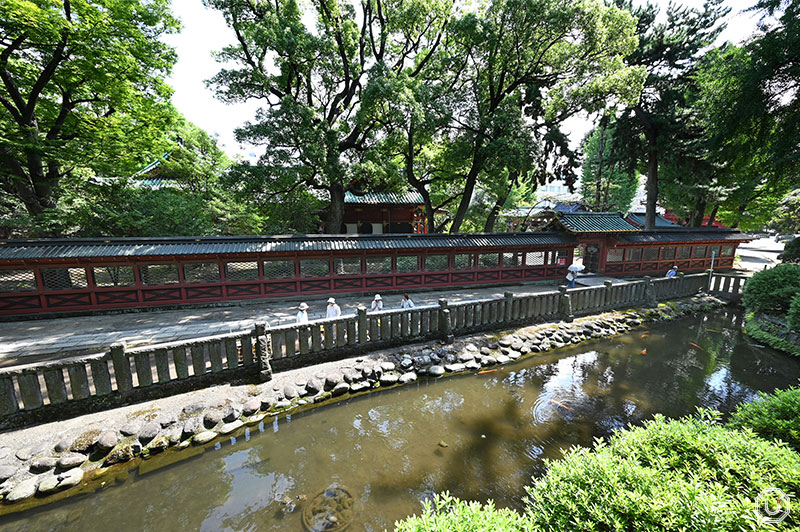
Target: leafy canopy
[[82, 87]]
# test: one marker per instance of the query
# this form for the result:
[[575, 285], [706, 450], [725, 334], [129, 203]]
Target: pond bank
[[48, 462]]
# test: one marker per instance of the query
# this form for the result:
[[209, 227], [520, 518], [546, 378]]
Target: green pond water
[[379, 455]]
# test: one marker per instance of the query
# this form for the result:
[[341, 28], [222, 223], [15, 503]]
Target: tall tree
[[324, 87], [607, 182], [532, 63], [749, 99], [669, 52], [81, 87]]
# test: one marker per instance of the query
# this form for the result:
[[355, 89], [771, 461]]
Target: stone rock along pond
[[372, 459]]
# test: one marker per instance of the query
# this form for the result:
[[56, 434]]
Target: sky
[[204, 32]]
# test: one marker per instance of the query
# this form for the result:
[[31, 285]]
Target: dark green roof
[[379, 198], [138, 247], [595, 222], [638, 218]]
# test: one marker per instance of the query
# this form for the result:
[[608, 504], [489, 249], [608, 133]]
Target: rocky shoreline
[[49, 462]]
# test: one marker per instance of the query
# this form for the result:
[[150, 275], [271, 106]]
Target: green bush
[[791, 251], [447, 514], [773, 417], [667, 475], [772, 290], [688, 474], [794, 313]]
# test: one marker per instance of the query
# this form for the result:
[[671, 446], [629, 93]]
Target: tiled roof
[[682, 234], [595, 222], [378, 198], [638, 219], [151, 247]]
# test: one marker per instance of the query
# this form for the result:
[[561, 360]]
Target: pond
[[478, 436]]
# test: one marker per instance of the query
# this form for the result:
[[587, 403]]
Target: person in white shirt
[[302, 315], [377, 303], [406, 303], [334, 310], [673, 272]]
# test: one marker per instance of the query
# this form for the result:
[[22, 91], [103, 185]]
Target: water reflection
[[479, 436]]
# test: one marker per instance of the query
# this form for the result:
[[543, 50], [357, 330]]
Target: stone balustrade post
[[122, 367], [446, 326], [362, 324], [607, 294], [649, 292], [565, 304], [507, 314], [262, 353]]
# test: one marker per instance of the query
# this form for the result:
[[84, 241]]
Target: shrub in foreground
[[678, 475], [685, 474], [772, 290], [448, 514], [773, 417]]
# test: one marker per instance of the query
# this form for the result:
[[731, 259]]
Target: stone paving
[[43, 339]]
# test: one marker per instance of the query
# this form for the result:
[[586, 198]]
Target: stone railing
[[727, 285], [118, 375]]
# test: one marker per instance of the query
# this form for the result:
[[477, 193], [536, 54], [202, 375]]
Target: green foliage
[[772, 290], [607, 183], [793, 317], [669, 50], [791, 252], [82, 87], [772, 416], [684, 474], [448, 514], [194, 161], [769, 334], [786, 217], [668, 475], [327, 83]]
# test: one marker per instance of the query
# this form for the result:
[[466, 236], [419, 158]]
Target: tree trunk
[[712, 216], [333, 222], [488, 227], [429, 212], [599, 186], [652, 186], [651, 134], [469, 188], [696, 219]]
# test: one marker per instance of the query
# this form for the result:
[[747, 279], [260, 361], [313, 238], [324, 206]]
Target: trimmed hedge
[[767, 333], [688, 474], [448, 514], [791, 252], [773, 417], [772, 290]]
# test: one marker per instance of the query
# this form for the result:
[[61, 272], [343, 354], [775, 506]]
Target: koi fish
[[697, 346], [559, 404], [485, 371], [644, 351], [713, 330], [646, 334]]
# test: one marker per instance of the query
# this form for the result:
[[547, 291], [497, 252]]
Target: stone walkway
[[24, 342]]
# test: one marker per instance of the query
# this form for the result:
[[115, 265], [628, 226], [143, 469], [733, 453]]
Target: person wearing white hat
[[377, 303], [334, 310], [302, 315]]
